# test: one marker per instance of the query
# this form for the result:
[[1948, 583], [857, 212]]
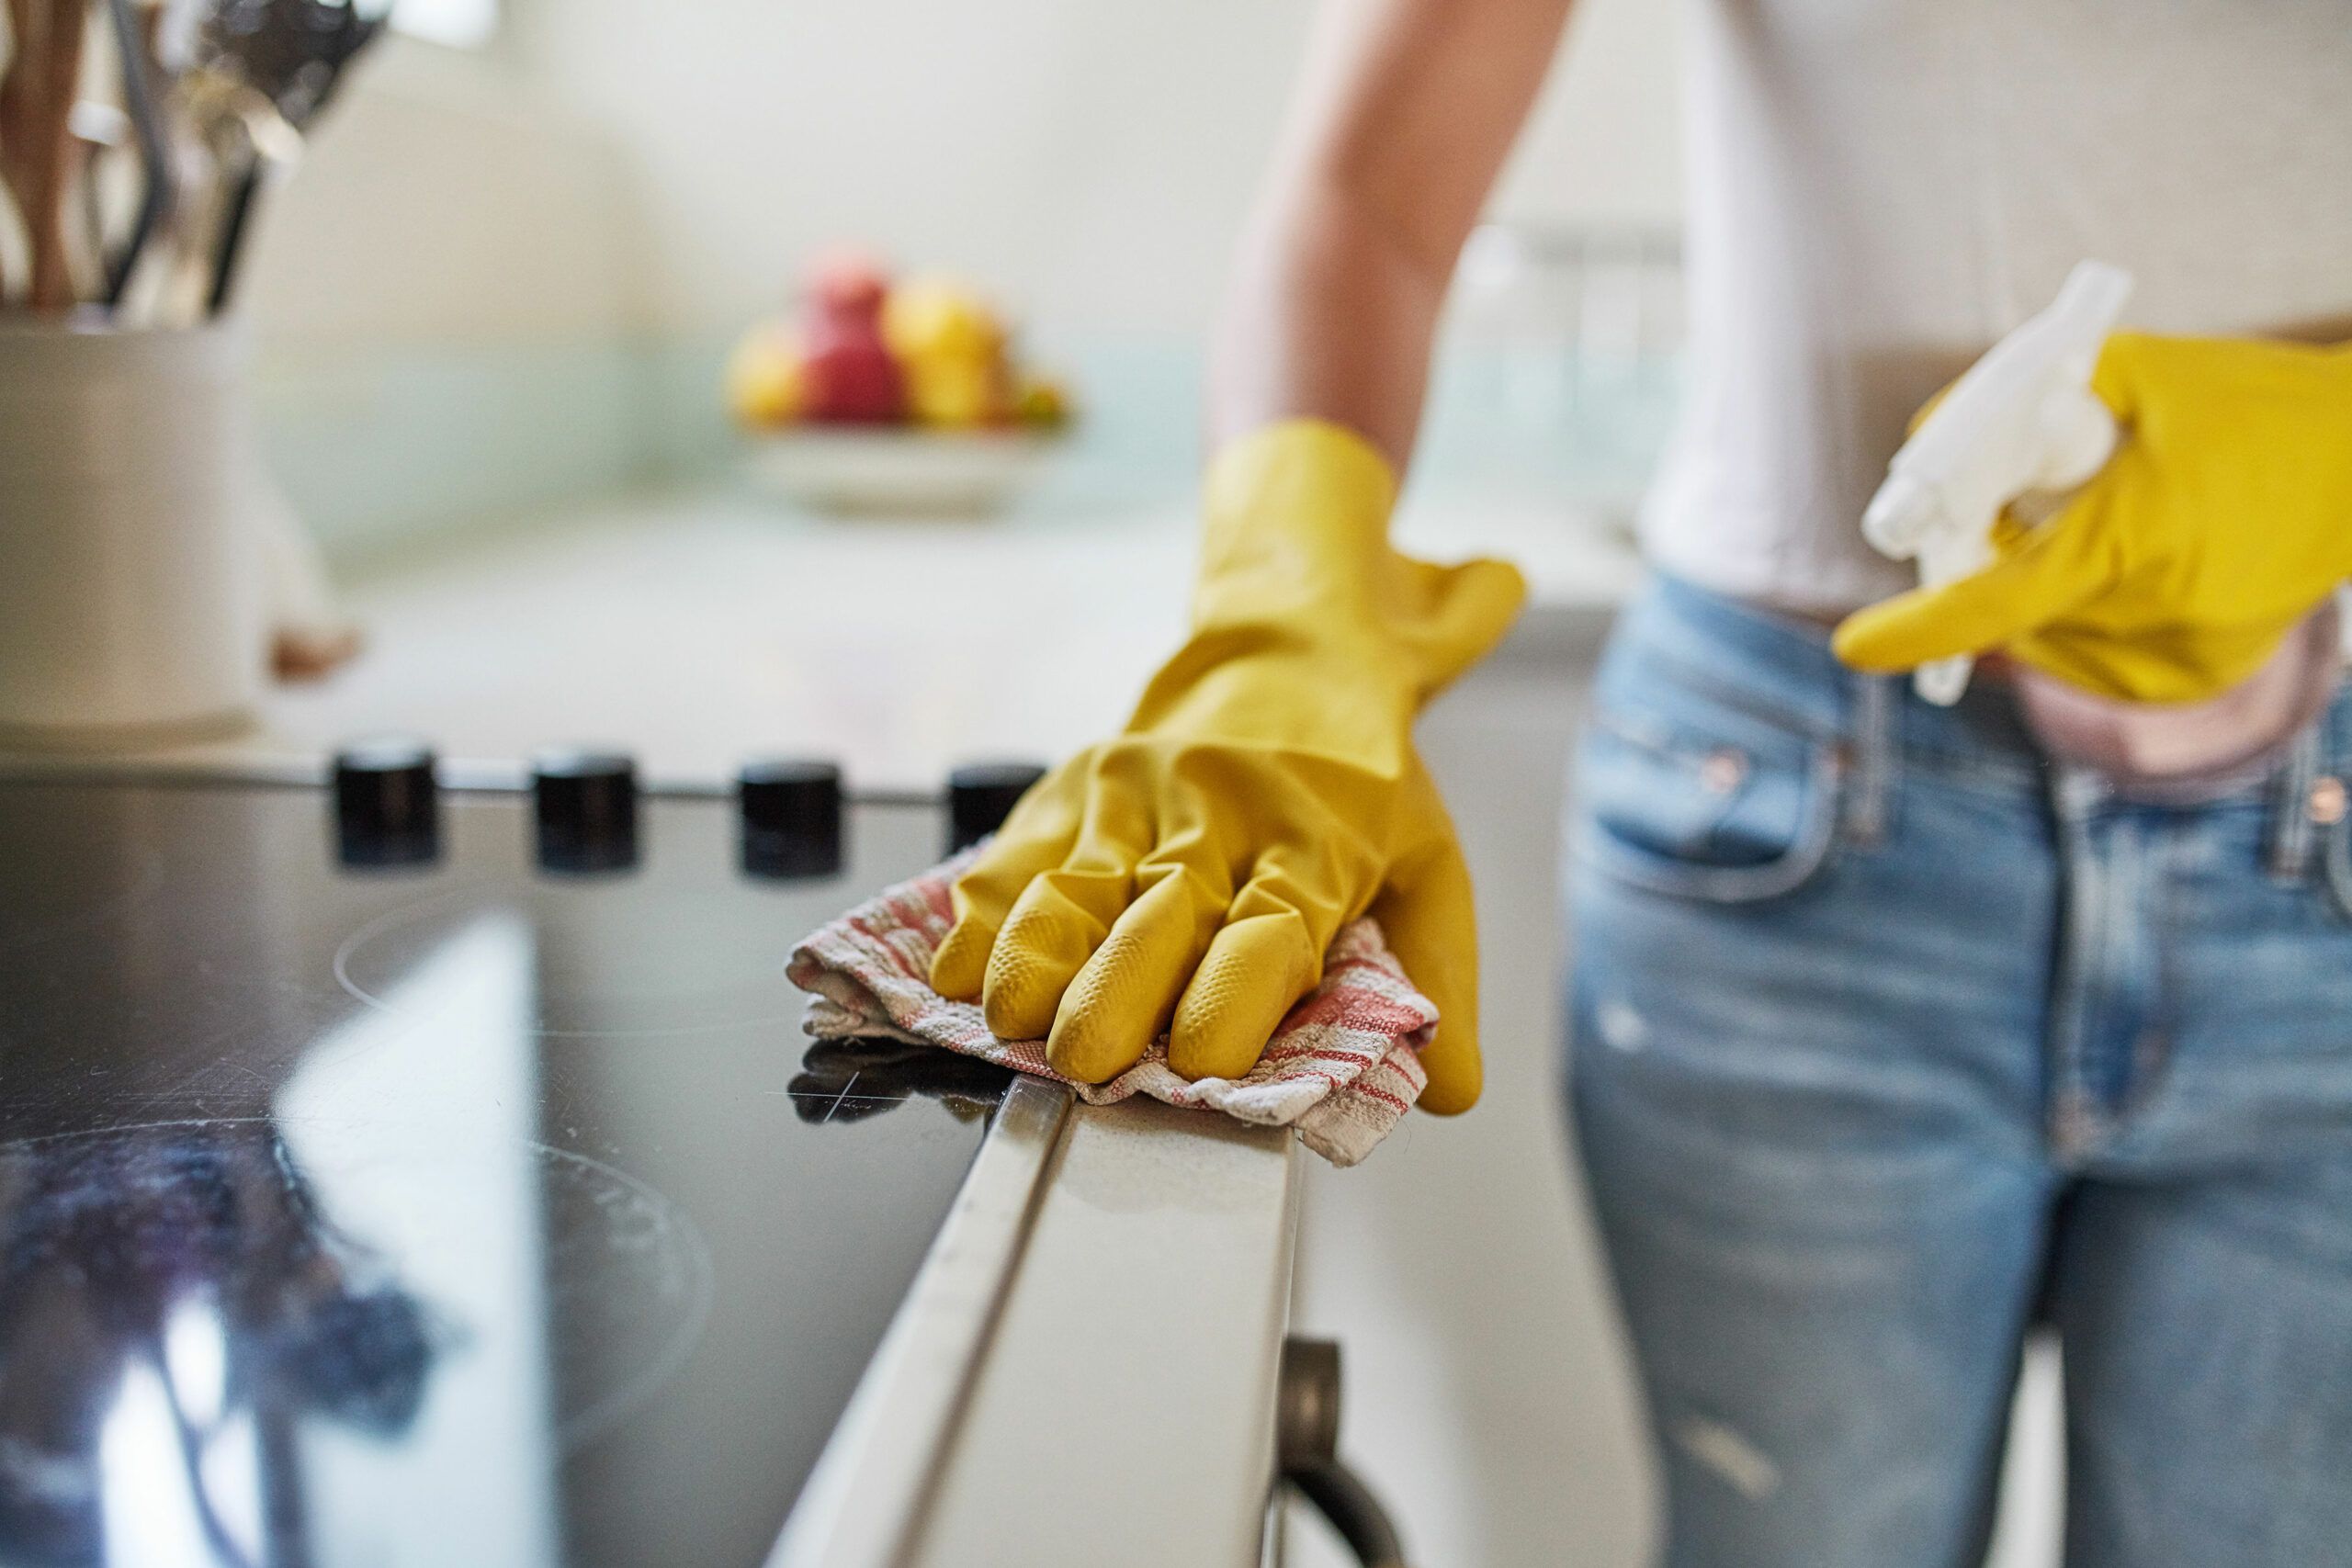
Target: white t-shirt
[[1879, 188]]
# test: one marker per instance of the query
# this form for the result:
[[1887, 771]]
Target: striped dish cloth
[[1342, 1068]]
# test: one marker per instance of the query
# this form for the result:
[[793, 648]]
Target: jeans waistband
[[1781, 666]]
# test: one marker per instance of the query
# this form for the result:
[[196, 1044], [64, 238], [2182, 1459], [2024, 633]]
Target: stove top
[[394, 1175]]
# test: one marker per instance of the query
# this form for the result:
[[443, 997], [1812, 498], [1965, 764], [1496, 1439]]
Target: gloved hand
[[1189, 873], [2224, 519]]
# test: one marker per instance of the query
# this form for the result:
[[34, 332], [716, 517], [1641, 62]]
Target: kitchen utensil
[[293, 52], [98, 129], [228, 123], [141, 96], [287, 57], [229, 245], [17, 95], [37, 149], [12, 64]]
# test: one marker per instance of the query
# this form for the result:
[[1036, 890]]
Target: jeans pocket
[[1695, 802]]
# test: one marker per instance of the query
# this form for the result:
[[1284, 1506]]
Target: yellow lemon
[[763, 381], [929, 316]]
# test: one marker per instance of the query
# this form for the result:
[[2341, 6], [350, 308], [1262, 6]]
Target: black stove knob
[[585, 801], [791, 816], [387, 811], [981, 795]]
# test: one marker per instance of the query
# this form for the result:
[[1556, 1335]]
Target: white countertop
[[1155, 1278], [698, 630]]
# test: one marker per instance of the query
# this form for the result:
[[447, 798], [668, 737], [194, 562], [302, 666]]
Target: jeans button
[[1722, 771]]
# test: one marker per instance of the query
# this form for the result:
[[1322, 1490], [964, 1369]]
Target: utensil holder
[[130, 602]]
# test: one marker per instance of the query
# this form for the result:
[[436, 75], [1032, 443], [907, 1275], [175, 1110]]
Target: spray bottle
[[2021, 426]]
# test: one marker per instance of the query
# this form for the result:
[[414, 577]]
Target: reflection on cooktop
[[187, 1291], [848, 1080], [455, 1212], [667, 969], [178, 1295]]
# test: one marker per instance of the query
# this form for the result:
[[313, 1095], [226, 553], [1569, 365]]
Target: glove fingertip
[[1495, 592], [1430, 917], [1501, 577], [1021, 1010], [1878, 640], [1088, 1049], [959, 969], [1456, 1077], [2116, 375], [1222, 1049], [1221, 1027]]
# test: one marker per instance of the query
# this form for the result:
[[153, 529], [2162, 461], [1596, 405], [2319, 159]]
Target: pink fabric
[[2192, 751], [1342, 1068]]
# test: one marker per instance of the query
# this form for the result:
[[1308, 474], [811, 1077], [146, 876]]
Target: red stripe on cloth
[[897, 961]]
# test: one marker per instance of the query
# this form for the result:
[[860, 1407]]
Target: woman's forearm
[[1330, 317], [1404, 117]]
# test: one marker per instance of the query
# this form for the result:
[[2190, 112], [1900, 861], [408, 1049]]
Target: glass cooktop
[[461, 1211]]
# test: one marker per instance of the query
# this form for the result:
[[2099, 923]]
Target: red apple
[[849, 373], [846, 280]]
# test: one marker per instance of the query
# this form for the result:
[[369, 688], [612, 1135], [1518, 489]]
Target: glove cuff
[[1296, 542], [1304, 499]]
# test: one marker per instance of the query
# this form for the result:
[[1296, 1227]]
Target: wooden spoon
[[53, 150], [16, 106], [36, 105]]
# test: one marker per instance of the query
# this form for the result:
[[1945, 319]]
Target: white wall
[[1092, 159], [444, 297], [447, 200], [621, 165]]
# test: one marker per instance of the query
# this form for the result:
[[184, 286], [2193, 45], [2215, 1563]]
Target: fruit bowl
[[896, 471]]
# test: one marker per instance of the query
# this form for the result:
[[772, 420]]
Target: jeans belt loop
[[2291, 826], [1871, 759]]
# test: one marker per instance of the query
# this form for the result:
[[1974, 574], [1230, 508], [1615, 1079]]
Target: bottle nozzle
[[1900, 516]]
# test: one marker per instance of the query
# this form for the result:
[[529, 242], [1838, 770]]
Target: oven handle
[[1306, 1445]]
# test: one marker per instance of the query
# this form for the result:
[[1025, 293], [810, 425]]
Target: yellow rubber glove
[[1189, 873], [2224, 519]]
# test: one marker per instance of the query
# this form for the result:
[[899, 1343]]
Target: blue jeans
[[1893, 1040]]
